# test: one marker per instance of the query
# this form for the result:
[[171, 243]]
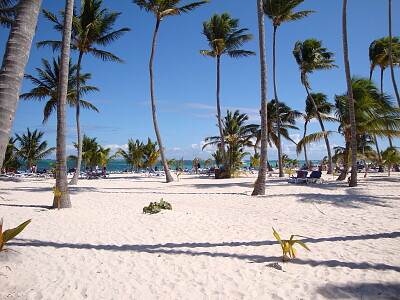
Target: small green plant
[[289, 171], [156, 207], [58, 194], [9, 234], [178, 174], [287, 246]]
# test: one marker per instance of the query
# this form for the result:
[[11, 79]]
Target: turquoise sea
[[120, 164]]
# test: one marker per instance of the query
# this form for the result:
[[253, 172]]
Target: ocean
[[120, 164]]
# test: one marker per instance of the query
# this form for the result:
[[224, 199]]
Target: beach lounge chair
[[300, 178], [315, 177]]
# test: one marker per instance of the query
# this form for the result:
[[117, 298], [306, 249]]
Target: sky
[[185, 81]]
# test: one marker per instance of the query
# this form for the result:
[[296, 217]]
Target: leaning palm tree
[[31, 148], [8, 9], [61, 196], [279, 11], [396, 91], [259, 187], [224, 37], [13, 66], [352, 114], [161, 9], [47, 82], [311, 56], [93, 26], [323, 107]]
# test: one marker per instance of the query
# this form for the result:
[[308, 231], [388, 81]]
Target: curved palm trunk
[[221, 130], [153, 106], [278, 119], [396, 91], [343, 175], [63, 201], [305, 147], [259, 187], [353, 138], [328, 147], [13, 66], [74, 180]]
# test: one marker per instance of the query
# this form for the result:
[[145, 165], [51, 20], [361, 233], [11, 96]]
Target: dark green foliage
[[156, 207]]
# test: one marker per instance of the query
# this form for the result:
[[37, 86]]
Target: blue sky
[[185, 80]]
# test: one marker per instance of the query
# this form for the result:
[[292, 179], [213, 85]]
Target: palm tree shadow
[[360, 291]]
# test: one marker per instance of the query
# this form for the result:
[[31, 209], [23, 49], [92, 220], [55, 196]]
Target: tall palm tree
[[61, 196], [311, 56], [8, 9], [135, 154], [396, 91], [161, 9], [13, 66], [324, 108], [93, 26], [47, 83], [353, 129], [259, 187], [31, 148], [224, 37], [279, 11], [379, 55]]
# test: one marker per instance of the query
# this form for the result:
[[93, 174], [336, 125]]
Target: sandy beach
[[216, 242]]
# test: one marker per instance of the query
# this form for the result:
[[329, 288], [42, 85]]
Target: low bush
[[156, 207]]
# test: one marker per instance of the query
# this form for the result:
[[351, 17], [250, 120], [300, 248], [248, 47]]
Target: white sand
[[216, 243]]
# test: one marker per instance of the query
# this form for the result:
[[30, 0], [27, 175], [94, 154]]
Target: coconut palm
[[352, 116], [161, 9], [31, 148], [324, 108], [134, 155], [224, 37], [151, 154], [13, 66], [259, 186], [311, 56], [217, 157], [61, 196], [8, 9], [93, 26], [47, 82], [11, 161], [391, 157], [279, 11], [396, 91]]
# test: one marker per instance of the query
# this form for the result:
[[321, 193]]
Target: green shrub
[[156, 207], [9, 234], [287, 246]]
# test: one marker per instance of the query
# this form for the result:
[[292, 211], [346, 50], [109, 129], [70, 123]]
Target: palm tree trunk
[[74, 180], [168, 175], [328, 147], [259, 187], [353, 137], [305, 147], [343, 175], [221, 129], [278, 119], [396, 91], [13, 66], [63, 201], [382, 80]]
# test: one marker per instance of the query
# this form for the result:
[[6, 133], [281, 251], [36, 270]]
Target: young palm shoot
[[287, 246], [9, 234]]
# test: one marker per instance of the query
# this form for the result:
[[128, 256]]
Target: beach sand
[[216, 242]]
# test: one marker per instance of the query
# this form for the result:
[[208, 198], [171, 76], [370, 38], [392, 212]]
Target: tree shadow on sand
[[360, 291]]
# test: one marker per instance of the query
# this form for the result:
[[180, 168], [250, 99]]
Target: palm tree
[[279, 11], [8, 9], [224, 37], [217, 157], [13, 66], [11, 161], [161, 9], [379, 55], [93, 26], [353, 129], [47, 83], [396, 91], [391, 157], [259, 187], [324, 108], [135, 154], [61, 196], [31, 148], [310, 56], [151, 154]]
